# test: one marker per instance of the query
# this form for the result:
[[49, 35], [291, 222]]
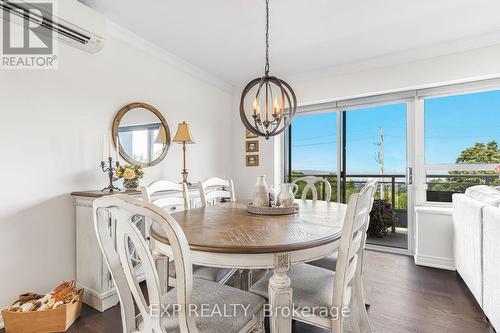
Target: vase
[[261, 193], [286, 197], [131, 184]]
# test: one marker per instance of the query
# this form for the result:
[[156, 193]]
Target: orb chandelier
[[274, 104]]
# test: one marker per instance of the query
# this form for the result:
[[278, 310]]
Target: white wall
[[269, 153], [467, 66], [51, 124]]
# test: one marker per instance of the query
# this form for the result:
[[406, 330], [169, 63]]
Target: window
[[314, 148], [461, 137], [139, 141]]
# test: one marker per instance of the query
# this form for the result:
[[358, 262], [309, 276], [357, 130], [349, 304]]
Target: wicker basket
[[55, 320]]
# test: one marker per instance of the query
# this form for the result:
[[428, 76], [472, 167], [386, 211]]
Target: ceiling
[[226, 37]]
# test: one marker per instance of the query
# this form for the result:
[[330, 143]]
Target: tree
[[480, 153]]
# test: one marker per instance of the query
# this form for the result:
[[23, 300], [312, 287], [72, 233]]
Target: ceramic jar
[[261, 193], [286, 197]]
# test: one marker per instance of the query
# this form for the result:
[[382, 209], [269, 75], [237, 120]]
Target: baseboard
[[387, 249], [435, 262], [99, 301]]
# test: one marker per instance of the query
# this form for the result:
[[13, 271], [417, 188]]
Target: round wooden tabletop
[[229, 228]]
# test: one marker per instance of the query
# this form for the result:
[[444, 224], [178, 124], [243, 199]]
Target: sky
[[452, 124]]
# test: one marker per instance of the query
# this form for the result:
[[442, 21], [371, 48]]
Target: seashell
[[65, 291], [51, 302], [17, 304], [36, 306], [28, 297], [26, 307], [45, 298], [43, 307]]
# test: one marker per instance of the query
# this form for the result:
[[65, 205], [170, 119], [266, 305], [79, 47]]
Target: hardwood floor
[[404, 298]]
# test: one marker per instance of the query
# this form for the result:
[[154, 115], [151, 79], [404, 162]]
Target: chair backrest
[[352, 242], [120, 210], [167, 195], [214, 189], [311, 186]]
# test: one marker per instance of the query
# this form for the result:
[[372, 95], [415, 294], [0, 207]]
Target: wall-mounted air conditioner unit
[[70, 21]]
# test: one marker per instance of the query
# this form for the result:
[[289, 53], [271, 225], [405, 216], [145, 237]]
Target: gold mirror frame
[[116, 139]]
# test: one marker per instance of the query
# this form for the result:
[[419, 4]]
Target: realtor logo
[[27, 43]]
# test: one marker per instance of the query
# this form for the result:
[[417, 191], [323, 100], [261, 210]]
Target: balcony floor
[[397, 239]]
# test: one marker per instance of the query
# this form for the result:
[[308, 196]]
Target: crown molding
[[118, 32]]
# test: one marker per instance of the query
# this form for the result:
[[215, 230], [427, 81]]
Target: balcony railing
[[389, 184], [440, 187]]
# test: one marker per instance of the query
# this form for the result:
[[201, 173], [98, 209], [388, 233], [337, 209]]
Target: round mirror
[[142, 134]]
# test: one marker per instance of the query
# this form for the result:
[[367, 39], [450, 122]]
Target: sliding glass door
[[351, 145], [376, 148]]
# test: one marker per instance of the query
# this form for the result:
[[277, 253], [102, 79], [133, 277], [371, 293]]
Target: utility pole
[[379, 157]]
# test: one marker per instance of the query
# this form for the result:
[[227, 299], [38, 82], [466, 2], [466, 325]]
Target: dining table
[[226, 235]]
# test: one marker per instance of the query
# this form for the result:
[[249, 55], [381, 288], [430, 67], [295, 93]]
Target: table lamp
[[184, 136]]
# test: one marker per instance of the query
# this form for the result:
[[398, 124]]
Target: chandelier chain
[[277, 113], [267, 37]]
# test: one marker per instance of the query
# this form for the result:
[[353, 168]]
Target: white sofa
[[476, 222]]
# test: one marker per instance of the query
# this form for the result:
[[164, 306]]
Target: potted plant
[[131, 173], [382, 218]]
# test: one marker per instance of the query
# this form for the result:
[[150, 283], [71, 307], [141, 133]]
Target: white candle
[[116, 149], [102, 148], [109, 145]]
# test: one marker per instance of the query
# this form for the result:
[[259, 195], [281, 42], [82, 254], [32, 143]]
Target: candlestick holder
[[111, 171]]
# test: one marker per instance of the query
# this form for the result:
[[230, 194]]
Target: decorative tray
[[274, 210]]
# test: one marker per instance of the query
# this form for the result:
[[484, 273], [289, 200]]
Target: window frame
[[417, 168], [150, 128], [422, 167]]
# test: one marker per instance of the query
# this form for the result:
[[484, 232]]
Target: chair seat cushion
[[329, 262], [312, 288], [203, 272], [229, 319]]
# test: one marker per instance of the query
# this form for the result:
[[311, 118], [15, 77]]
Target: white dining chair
[[330, 262], [173, 197], [315, 288], [311, 187], [214, 189], [171, 312]]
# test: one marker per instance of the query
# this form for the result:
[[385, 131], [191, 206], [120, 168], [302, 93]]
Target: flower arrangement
[[130, 174]]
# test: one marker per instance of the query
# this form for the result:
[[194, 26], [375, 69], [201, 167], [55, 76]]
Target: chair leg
[[359, 305], [354, 317], [338, 325], [245, 279], [260, 323], [366, 300], [162, 267]]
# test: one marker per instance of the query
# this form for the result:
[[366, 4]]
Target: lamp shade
[[183, 134], [161, 137]]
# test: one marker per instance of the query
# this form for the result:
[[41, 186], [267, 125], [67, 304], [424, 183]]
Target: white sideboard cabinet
[[91, 270]]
